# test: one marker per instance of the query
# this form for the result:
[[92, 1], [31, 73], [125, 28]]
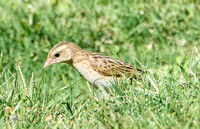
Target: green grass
[[161, 37]]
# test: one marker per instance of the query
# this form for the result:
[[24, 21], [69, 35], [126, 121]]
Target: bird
[[95, 68]]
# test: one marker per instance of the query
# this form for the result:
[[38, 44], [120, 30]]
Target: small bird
[[97, 69]]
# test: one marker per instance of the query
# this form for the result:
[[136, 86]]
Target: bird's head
[[61, 52]]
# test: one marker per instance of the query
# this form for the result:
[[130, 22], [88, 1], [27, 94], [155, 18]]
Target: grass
[[161, 37]]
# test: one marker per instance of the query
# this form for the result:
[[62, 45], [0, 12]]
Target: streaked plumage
[[109, 67], [95, 68]]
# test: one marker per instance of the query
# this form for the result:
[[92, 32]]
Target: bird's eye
[[57, 55]]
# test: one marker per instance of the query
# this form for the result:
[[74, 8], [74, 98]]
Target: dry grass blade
[[13, 75]]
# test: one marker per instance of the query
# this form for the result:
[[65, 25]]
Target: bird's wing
[[110, 67]]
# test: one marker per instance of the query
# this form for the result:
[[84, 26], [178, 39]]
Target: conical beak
[[48, 62]]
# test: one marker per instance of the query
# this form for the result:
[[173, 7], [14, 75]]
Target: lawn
[[158, 36]]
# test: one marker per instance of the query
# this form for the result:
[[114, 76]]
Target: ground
[[161, 37]]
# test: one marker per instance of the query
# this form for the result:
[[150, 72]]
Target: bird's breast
[[91, 75]]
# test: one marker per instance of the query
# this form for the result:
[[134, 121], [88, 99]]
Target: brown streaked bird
[[97, 69]]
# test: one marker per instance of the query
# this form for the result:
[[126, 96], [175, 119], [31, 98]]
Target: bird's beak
[[48, 62]]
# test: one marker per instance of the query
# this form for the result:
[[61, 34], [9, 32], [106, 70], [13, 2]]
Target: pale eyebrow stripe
[[57, 49]]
